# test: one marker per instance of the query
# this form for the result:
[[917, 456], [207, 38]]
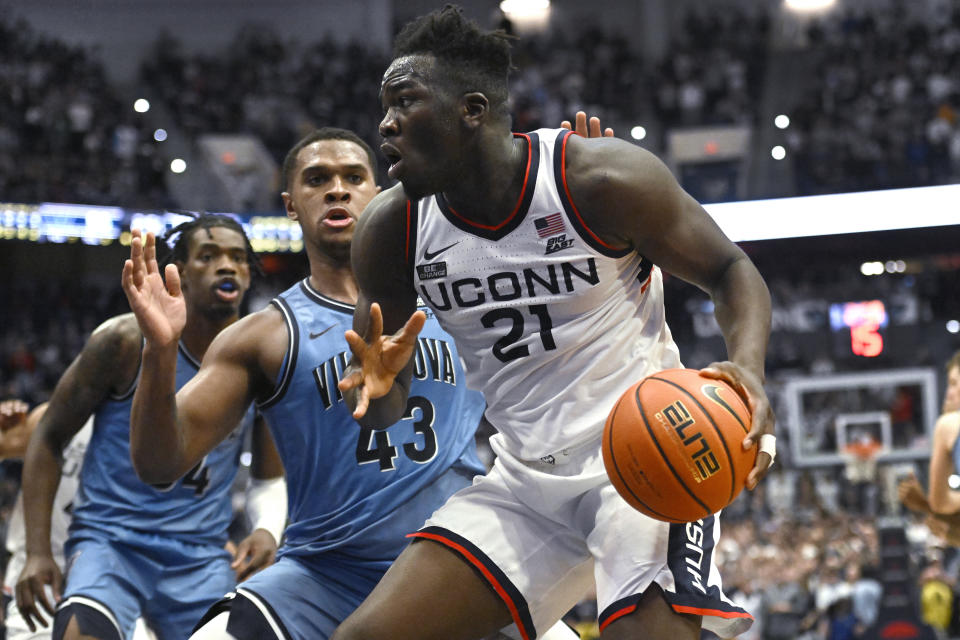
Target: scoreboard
[[98, 225]]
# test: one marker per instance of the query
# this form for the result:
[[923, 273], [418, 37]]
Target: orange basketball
[[672, 445]]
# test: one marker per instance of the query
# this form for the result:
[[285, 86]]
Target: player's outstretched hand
[[377, 362], [32, 594], [160, 308], [748, 385], [912, 495], [12, 414], [255, 552], [591, 131]]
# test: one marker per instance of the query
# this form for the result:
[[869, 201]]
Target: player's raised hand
[[255, 552], [160, 308], [750, 388], [587, 131], [12, 414], [32, 593], [912, 494], [377, 361]]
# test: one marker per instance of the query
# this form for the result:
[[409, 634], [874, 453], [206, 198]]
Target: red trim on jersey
[[646, 283], [407, 251], [526, 178], [576, 212], [472, 559], [716, 613], [617, 614]]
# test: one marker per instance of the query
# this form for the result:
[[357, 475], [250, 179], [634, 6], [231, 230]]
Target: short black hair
[[474, 59], [325, 133], [177, 239]]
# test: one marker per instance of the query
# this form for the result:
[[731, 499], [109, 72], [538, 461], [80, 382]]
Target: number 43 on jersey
[[375, 446]]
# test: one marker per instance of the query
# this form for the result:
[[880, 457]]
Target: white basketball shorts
[[543, 534]]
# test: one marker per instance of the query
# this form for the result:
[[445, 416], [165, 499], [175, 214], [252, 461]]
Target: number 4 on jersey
[[197, 479]]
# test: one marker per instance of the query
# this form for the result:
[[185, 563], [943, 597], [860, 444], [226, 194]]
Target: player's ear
[[288, 205], [475, 108]]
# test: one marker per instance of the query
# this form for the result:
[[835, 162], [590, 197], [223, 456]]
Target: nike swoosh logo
[[317, 335], [430, 255], [712, 391]]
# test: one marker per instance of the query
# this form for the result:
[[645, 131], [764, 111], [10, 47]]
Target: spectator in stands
[[865, 594]]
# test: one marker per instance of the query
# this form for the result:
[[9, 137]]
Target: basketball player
[[941, 504], [16, 425], [135, 549], [354, 492], [537, 253]]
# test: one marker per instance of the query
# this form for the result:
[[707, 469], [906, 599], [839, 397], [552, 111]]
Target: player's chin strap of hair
[[768, 445], [267, 505]]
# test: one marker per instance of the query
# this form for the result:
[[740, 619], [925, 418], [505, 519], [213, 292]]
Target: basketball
[[672, 445]]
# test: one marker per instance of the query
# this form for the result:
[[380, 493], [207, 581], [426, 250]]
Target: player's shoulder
[[120, 333], [946, 430], [253, 331], [948, 425], [111, 355], [387, 208], [257, 343], [381, 233], [604, 163]]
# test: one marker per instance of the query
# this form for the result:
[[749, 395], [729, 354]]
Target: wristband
[[266, 505]]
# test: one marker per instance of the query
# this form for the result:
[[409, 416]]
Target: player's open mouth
[[228, 291], [393, 157], [338, 217]]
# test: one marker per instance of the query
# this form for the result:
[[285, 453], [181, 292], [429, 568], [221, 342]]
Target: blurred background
[[823, 136]]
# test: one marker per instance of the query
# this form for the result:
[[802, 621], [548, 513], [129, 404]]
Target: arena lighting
[[178, 165], [778, 152], [809, 6], [838, 213], [524, 8], [741, 221], [781, 121], [953, 326], [638, 132], [141, 105], [895, 266], [953, 481]]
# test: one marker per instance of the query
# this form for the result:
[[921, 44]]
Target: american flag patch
[[549, 225]]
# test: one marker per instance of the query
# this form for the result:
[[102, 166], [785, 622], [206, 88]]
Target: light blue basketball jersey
[[112, 499], [349, 487]]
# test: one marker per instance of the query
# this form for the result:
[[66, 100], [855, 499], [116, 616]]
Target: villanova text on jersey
[[433, 359], [355, 491]]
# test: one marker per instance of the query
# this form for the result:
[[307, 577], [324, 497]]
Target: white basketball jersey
[[553, 324], [60, 518]]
